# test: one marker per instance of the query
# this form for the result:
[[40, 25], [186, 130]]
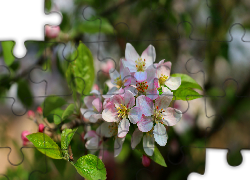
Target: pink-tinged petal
[[136, 138], [130, 65], [152, 94], [145, 104], [140, 76], [117, 100], [109, 114], [164, 100], [113, 75], [88, 114], [134, 115], [106, 129], [127, 81], [160, 134], [151, 73], [129, 99], [95, 117], [95, 92], [171, 116], [149, 55], [130, 53], [148, 144], [118, 145], [165, 90], [123, 128], [132, 89], [90, 134], [145, 124], [88, 101], [93, 144], [173, 83], [97, 104]]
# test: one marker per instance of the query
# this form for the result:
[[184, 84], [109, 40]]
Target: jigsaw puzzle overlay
[[123, 89]]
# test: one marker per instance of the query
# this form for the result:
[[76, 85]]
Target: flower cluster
[[140, 97]]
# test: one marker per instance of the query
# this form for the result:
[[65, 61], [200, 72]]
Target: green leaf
[[45, 145], [66, 137], [186, 94], [24, 93], [91, 167], [68, 111], [48, 5], [105, 89], [156, 157], [187, 81], [7, 52], [81, 72], [51, 103]]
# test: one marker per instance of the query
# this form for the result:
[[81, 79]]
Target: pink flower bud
[[107, 66], [24, 134], [40, 128], [52, 31], [31, 114], [145, 161], [39, 110], [96, 87]]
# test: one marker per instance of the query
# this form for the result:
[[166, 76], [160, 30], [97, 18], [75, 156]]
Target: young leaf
[[7, 52], [156, 157], [51, 103], [45, 145], [186, 94], [187, 81], [81, 70], [68, 111], [66, 137], [91, 167]]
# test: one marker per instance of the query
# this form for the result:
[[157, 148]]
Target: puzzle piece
[[216, 158]]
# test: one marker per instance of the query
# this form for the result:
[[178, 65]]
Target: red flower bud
[[39, 110], [31, 114], [40, 128], [145, 161], [52, 31], [24, 134]]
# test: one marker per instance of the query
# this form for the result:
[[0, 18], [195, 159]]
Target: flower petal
[[145, 124], [90, 134], [136, 138], [130, 53], [130, 64], [93, 143], [110, 93], [151, 73], [97, 104], [117, 100], [113, 75], [109, 114], [140, 76], [149, 55], [160, 134], [171, 116], [118, 145], [129, 99], [106, 129], [145, 104], [148, 144], [88, 101], [134, 115], [123, 128], [173, 83], [94, 118], [164, 100]]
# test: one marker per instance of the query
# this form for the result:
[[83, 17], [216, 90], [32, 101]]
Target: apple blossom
[[161, 115], [164, 79], [39, 110], [94, 105], [94, 141], [138, 64], [107, 66], [52, 31]]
